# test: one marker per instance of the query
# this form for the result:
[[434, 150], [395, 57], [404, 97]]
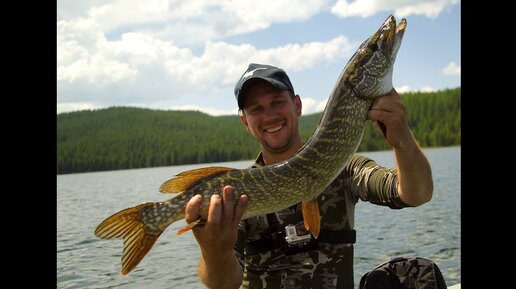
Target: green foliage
[[434, 117], [125, 137]]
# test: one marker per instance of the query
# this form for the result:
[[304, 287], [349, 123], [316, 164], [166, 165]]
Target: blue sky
[[189, 54]]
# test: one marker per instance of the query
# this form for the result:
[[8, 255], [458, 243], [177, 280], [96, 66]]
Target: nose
[[268, 111]]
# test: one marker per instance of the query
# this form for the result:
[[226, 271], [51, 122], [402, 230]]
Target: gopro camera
[[297, 234]]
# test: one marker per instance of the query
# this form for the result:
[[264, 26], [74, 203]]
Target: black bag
[[404, 273]]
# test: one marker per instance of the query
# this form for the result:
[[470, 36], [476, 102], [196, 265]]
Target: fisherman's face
[[271, 116]]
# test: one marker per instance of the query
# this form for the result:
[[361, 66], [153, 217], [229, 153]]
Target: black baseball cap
[[274, 75]]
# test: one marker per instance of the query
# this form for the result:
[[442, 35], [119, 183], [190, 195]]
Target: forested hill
[[125, 137]]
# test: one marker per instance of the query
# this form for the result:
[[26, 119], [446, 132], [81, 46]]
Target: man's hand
[[218, 267], [220, 230], [389, 113], [414, 172]]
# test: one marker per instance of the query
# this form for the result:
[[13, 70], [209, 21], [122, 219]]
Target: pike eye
[[373, 47]]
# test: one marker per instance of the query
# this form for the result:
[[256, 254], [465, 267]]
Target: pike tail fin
[[129, 225]]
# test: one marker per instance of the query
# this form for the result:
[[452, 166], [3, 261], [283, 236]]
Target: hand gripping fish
[[301, 178]]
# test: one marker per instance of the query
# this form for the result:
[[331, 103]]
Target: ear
[[298, 104], [243, 120]]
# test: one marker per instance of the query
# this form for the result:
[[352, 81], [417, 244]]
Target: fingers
[[219, 232], [193, 208], [382, 127], [377, 115], [387, 108], [228, 203], [222, 210], [380, 108], [239, 210], [215, 210]]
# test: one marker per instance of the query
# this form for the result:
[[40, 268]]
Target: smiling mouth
[[274, 129]]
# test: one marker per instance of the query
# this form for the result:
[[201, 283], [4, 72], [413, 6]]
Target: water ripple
[[430, 231]]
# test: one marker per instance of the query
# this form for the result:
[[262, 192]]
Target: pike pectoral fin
[[127, 224], [311, 216], [188, 179], [190, 226]]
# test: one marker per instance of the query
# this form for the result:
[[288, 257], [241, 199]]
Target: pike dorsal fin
[[185, 180], [311, 216]]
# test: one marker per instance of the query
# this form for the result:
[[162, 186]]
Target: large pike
[[367, 75]]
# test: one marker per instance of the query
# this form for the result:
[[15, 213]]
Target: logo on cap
[[250, 73]]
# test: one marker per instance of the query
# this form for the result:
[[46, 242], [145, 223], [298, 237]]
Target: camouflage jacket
[[328, 265]]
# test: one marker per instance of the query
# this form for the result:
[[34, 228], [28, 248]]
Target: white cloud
[[403, 89], [259, 14], [401, 8], [208, 110], [321, 105], [83, 52], [69, 9], [160, 53], [451, 69], [406, 88], [192, 21], [311, 105], [427, 89], [64, 107], [140, 68]]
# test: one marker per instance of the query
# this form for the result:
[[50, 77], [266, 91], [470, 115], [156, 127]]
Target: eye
[[277, 103], [255, 110], [373, 47]]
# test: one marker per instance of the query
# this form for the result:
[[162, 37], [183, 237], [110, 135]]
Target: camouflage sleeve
[[373, 183], [240, 244]]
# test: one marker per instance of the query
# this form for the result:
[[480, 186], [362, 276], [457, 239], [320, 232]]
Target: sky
[[189, 54]]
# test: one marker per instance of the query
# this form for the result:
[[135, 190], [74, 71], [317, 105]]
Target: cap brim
[[252, 80]]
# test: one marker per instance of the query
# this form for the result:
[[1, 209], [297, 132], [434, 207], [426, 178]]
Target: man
[[254, 253]]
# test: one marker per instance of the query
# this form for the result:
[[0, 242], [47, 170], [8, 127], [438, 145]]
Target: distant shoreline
[[126, 137], [229, 161]]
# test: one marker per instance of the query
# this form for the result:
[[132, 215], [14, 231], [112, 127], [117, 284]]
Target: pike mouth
[[389, 36]]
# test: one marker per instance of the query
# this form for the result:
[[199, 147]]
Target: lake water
[[84, 200]]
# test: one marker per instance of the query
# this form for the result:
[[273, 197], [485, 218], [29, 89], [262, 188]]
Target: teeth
[[274, 129]]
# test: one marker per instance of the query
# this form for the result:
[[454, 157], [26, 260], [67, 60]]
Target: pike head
[[369, 71]]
